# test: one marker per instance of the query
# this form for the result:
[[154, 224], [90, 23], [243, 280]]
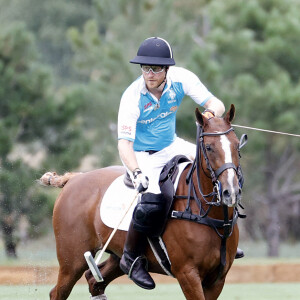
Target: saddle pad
[[115, 202], [117, 199]]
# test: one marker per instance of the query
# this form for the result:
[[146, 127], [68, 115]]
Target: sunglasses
[[154, 69]]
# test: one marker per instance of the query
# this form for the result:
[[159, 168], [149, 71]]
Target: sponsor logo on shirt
[[147, 105], [126, 130], [172, 94], [171, 101], [162, 115]]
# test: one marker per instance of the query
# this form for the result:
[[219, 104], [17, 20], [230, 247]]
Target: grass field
[[290, 291], [42, 253]]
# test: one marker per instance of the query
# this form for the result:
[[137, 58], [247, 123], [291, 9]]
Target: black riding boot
[[133, 262], [239, 253]]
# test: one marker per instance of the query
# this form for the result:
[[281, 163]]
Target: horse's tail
[[53, 179]]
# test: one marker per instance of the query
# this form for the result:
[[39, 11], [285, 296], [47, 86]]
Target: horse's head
[[218, 150]]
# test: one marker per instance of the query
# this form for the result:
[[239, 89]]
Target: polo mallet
[[94, 262]]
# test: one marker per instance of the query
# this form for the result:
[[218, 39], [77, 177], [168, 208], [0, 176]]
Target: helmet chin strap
[[161, 83], [165, 79]]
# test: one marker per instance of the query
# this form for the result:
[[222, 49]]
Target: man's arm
[[194, 88], [126, 152], [127, 155]]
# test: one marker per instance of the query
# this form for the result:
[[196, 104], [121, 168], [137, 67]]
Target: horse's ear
[[200, 119], [230, 114]]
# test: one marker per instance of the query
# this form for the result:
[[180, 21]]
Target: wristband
[[210, 111]]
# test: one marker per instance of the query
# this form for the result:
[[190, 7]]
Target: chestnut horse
[[201, 235]]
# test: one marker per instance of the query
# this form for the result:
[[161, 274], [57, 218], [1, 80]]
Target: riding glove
[[208, 114], [140, 181]]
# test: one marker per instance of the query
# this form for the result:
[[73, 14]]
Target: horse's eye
[[208, 147]]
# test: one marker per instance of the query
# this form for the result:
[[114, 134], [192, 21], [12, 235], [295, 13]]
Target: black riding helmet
[[154, 51]]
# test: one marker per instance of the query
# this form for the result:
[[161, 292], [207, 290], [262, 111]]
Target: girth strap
[[214, 223]]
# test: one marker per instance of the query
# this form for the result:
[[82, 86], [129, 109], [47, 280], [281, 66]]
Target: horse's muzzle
[[232, 197]]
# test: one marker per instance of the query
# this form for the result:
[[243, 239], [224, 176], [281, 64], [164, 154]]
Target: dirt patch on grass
[[279, 272]]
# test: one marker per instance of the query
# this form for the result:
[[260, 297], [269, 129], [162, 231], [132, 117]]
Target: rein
[[216, 195]]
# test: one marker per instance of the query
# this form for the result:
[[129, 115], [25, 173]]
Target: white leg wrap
[[100, 297]]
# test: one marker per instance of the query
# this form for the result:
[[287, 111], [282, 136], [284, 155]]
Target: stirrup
[[138, 272], [141, 257]]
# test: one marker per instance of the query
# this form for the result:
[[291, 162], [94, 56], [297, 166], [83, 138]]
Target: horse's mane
[[53, 179]]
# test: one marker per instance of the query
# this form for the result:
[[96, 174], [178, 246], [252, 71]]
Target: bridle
[[216, 194]]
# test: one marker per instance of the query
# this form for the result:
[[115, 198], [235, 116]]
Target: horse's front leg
[[214, 291], [190, 282]]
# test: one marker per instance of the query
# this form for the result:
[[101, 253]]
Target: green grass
[[161, 292], [264, 291]]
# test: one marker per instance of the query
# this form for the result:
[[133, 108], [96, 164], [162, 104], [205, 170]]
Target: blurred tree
[[32, 122], [249, 53], [49, 21]]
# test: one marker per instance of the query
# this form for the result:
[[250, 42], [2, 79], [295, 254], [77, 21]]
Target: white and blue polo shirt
[[149, 125]]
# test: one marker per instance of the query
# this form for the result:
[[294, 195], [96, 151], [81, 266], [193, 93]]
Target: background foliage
[[64, 66]]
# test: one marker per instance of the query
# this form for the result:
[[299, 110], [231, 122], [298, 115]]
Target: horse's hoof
[[239, 253], [99, 297]]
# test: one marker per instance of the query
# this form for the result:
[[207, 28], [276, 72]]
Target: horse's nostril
[[226, 194]]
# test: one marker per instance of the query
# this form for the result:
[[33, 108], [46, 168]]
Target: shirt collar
[[144, 90]]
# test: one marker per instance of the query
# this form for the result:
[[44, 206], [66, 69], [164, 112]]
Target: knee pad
[[149, 214]]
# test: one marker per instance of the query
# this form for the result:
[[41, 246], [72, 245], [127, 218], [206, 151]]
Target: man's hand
[[208, 114], [140, 181]]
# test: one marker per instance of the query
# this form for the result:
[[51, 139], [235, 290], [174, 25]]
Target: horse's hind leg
[[67, 277], [71, 264], [110, 270]]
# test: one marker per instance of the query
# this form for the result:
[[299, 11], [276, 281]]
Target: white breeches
[[152, 164]]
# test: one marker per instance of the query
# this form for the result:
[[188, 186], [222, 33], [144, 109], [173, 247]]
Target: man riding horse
[[147, 141]]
